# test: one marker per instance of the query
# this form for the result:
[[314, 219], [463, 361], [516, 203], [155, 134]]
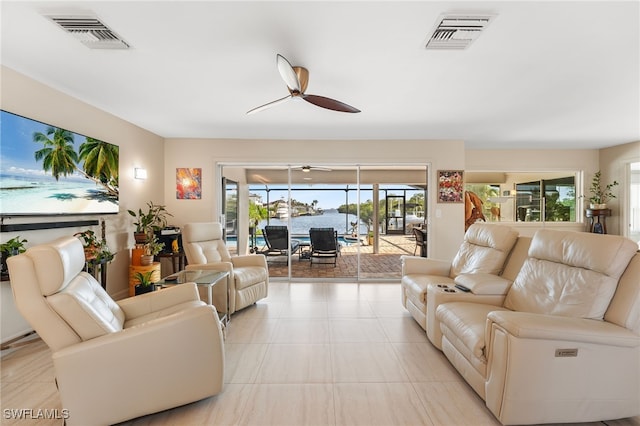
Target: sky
[[17, 147]]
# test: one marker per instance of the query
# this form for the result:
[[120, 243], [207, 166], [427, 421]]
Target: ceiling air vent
[[457, 32], [90, 31]]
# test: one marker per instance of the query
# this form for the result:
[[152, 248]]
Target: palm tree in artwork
[[57, 155], [101, 161]]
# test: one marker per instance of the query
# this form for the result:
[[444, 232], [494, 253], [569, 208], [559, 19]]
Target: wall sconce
[[140, 173]]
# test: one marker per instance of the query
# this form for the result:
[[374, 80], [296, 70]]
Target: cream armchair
[[115, 361], [482, 255], [565, 345], [248, 274]]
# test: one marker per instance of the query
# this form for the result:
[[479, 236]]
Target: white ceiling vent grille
[[90, 31], [457, 32]]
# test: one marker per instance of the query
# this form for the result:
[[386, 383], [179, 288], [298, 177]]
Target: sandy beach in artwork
[[20, 196]]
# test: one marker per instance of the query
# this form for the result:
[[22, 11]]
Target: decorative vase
[[142, 289], [146, 260], [136, 256], [141, 237]]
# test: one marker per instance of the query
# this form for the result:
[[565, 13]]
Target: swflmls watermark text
[[35, 413]]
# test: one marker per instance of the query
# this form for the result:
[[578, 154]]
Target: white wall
[[447, 226], [613, 163], [138, 147]]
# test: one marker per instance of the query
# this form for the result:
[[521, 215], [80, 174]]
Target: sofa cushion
[[87, 308], [571, 274], [463, 325], [484, 249]]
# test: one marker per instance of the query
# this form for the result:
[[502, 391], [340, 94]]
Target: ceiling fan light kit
[[297, 79]]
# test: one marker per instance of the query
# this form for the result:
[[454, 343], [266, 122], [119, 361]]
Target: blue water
[[300, 225]]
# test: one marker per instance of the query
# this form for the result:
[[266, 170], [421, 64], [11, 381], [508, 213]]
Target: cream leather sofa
[[115, 361], [565, 344], [483, 253], [248, 274]]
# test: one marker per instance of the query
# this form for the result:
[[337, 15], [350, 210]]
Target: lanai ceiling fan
[[297, 79], [307, 169]]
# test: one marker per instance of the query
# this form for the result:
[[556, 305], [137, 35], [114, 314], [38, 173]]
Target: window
[[526, 197]]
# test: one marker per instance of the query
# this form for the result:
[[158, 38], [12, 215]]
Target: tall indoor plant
[[154, 219], [600, 193]]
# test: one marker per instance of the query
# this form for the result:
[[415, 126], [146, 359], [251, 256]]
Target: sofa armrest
[[170, 361], [543, 368], [552, 327], [214, 266], [425, 265], [144, 304], [484, 283], [249, 260]]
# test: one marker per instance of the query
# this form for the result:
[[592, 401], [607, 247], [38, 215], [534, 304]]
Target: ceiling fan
[[307, 169], [297, 79]]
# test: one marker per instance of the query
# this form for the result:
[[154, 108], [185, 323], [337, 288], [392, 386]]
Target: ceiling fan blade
[[307, 169], [329, 103], [269, 105], [288, 74]]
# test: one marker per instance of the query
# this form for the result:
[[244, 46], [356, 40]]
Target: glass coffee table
[[203, 278]]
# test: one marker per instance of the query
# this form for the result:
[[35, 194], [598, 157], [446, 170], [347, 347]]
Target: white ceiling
[[543, 74]]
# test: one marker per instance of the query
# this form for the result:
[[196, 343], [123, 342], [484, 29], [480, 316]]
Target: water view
[[300, 225]]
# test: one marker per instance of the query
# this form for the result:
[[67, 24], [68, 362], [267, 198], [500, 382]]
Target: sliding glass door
[[350, 202]]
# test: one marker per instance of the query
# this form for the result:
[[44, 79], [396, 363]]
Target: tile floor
[[309, 354]]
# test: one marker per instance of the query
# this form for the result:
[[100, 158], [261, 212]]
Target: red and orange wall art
[[188, 184]]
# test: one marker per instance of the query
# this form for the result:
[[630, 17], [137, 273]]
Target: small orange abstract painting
[[188, 184]]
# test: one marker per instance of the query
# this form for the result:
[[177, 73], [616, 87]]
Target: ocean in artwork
[[42, 194]]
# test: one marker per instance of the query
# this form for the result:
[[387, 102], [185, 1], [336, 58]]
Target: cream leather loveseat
[[565, 344], [482, 254]]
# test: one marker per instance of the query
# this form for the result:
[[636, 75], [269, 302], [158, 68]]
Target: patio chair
[[276, 237], [324, 245], [421, 242]]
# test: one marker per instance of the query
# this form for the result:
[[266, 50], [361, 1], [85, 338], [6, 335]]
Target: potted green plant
[[146, 223], [10, 248], [94, 249], [600, 194], [145, 285], [151, 248]]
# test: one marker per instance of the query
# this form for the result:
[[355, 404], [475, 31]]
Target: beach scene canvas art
[[47, 170]]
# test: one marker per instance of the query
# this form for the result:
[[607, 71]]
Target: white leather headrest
[[606, 254], [56, 263], [203, 231], [499, 237]]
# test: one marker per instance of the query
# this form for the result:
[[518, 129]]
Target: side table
[[203, 278], [597, 220], [92, 266], [178, 260]]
